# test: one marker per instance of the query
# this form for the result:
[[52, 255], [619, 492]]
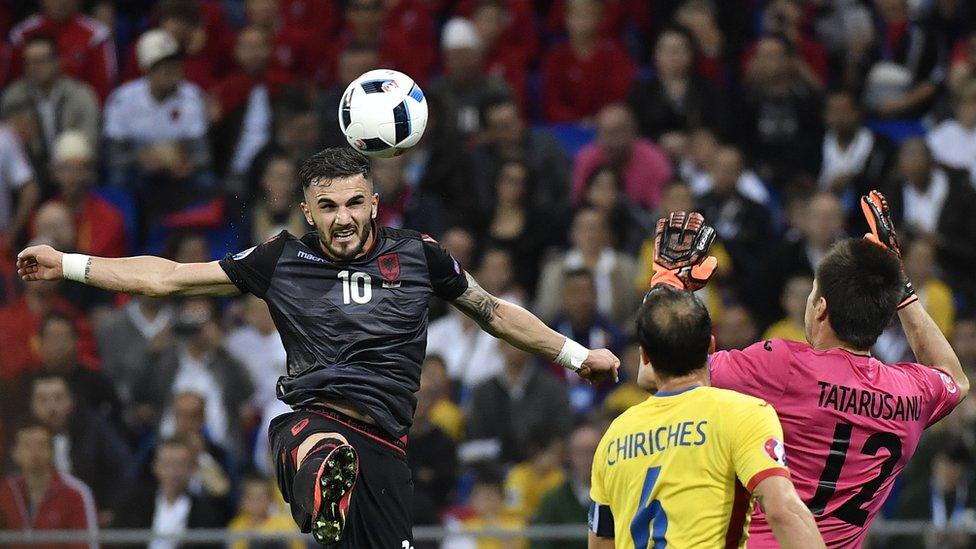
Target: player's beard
[[346, 253]]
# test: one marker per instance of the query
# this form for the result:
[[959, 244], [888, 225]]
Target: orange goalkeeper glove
[[882, 232], [681, 244]]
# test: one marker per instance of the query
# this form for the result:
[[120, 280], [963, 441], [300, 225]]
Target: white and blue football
[[382, 113]]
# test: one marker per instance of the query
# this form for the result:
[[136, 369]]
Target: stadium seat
[[123, 200], [571, 136], [897, 130]]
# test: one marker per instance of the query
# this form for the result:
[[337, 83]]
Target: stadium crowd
[[559, 131]]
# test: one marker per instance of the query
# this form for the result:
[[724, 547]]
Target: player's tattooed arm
[[478, 304]]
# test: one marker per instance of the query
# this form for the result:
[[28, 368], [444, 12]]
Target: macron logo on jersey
[[775, 450], [310, 257]]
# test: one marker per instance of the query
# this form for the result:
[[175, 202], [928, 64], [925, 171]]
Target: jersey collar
[[678, 392]]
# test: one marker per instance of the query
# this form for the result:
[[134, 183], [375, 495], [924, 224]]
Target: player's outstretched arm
[[524, 330], [147, 275], [929, 344], [791, 521]]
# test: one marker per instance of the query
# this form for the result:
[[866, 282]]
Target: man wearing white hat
[[98, 224], [464, 83], [156, 125]]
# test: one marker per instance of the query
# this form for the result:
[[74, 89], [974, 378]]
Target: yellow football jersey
[[677, 470]]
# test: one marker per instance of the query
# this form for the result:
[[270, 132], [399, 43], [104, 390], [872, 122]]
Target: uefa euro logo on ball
[[382, 113]]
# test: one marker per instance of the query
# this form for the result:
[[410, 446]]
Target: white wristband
[[572, 355], [73, 266]]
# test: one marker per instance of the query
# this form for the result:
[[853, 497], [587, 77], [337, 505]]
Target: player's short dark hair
[[333, 163], [862, 284], [674, 329]]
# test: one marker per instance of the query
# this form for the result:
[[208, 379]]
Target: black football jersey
[[353, 330]]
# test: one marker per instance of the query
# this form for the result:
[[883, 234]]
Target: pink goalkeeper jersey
[[851, 423]]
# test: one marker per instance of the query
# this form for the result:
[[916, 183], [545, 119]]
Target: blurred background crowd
[[559, 131]]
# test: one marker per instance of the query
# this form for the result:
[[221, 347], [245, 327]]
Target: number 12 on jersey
[[356, 288], [649, 512]]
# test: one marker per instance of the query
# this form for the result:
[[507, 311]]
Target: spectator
[[296, 135], [21, 319], [215, 473], [699, 17], [586, 72], [613, 272], [506, 137], [242, 103], [736, 330], [294, 49], [495, 276], [98, 225], [432, 456], [155, 128], [701, 166], [464, 85], [472, 356], [187, 247], [630, 223], [779, 114], [60, 102], [946, 497], [84, 44], [627, 392], [786, 17], [165, 504], [963, 63], [644, 166], [197, 363], [401, 30], [353, 60], [518, 226], [276, 211], [257, 513], [932, 204], [906, 61], [58, 342], [793, 301], [257, 346], [618, 17], [675, 98], [953, 142], [820, 223], [486, 509], [40, 497], [529, 480], [511, 41], [920, 266], [739, 221], [569, 502], [126, 336], [853, 158], [507, 410], [580, 320], [203, 38], [403, 205], [85, 444], [436, 386], [19, 191], [964, 342]]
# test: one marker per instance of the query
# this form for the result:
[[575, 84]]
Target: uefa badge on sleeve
[[776, 451], [949, 383]]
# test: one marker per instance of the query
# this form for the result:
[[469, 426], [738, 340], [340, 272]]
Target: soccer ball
[[382, 113]]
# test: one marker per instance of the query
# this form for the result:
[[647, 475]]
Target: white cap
[[460, 33], [154, 46], [71, 145]]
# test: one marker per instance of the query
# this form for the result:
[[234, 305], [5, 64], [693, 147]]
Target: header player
[[851, 422], [350, 303], [680, 469]]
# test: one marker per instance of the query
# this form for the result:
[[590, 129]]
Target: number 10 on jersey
[[357, 287]]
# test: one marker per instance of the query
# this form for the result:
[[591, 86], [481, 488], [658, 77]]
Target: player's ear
[[375, 205], [307, 213], [820, 309], [644, 361], [711, 344]]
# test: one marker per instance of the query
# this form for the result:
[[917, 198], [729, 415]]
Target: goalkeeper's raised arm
[[147, 275]]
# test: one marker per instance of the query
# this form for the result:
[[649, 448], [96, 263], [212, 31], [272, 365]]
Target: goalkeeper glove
[[882, 232], [681, 243]]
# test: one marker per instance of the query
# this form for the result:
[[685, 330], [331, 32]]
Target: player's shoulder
[[729, 400]]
